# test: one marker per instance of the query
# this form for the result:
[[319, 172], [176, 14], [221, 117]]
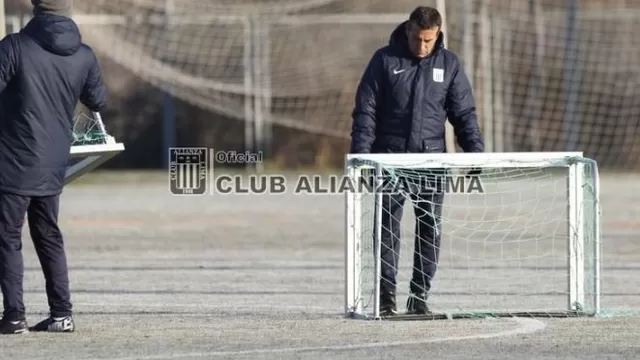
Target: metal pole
[[98, 118], [467, 39], [533, 101], [499, 68], [449, 134], [3, 28], [266, 80], [378, 242], [507, 95], [597, 257], [259, 89], [540, 46], [168, 123], [487, 75], [248, 87], [571, 77]]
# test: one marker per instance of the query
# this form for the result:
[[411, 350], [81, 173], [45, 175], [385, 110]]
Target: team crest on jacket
[[438, 75]]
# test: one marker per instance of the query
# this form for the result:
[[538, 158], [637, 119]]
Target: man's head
[[423, 29], [54, 7]]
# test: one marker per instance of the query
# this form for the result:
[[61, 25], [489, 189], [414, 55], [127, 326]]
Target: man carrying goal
[[407, 91], [45, 69]]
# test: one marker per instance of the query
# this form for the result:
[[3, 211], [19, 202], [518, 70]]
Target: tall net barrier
[[275, 62], [547, 76], [518, 237]]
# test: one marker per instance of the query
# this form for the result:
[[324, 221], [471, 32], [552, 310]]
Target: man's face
[[421, 41]]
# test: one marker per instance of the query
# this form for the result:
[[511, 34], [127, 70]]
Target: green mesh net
[[88, 130]]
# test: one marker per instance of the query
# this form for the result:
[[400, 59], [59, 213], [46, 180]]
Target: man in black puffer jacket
[[406, 93], [44, 70]]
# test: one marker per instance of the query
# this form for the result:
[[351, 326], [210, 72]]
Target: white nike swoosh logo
[[396, 72]]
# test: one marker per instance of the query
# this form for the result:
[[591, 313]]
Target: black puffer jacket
[[402, 102], [44, 70]]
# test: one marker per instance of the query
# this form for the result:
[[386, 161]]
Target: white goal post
[[527, 244]]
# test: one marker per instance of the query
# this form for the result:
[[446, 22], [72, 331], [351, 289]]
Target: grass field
[[156, 276]]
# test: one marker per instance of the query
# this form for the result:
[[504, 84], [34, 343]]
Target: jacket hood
[[398, 40], [57, 34]]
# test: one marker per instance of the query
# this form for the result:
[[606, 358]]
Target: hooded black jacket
[[402, 102], [44, 70]]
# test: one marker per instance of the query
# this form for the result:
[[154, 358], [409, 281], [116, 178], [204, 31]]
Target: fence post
[[571, 78], [262, 87], [487, 77], [3, 21], [258, 88], [168, 113], [449, 135], [249, 144], [467, 24]]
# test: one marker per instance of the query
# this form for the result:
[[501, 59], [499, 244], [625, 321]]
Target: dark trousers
[[42, 213], [428, 233]]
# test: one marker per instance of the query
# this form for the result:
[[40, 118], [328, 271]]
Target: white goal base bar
[[92, 156], [579, 251]]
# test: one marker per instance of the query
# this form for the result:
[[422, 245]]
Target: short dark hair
[[425, 17]]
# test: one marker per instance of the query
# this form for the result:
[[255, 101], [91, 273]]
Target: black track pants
[[42, 216]]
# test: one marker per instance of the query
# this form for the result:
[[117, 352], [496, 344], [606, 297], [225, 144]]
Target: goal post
[[520, 237]]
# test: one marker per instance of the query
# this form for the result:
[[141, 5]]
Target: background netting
[[544, 81]]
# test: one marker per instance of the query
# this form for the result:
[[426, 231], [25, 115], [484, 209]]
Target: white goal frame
[[574, 162], [94, 155]]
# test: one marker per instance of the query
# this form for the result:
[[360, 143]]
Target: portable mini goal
[[92, 146], [524, 242]]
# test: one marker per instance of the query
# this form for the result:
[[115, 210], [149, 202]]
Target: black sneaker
[[388, 304], [417, 304], [8, 327], [55, 324]]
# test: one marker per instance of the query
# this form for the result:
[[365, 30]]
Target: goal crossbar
[[582, 225], [453, 160]]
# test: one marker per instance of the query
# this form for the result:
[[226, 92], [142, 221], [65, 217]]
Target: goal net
[[256, 61], [92, 146], [522, 237]]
